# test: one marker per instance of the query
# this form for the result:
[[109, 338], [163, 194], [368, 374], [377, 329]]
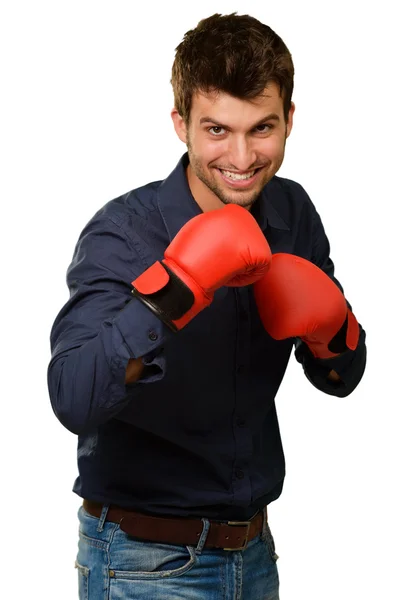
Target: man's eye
[[216, 129], [216, 133], [269, 127]]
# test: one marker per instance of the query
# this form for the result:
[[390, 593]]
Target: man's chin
[[240, 199]]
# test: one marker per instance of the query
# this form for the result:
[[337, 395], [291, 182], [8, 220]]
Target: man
[[171, 388]]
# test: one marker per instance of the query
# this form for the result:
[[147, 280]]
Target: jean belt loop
[[264, 521], [203, 536], [104, 512]]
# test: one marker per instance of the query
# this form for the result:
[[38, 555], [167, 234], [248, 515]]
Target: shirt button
[[239, 474], [240, 368], [153, 336], [241, 422]]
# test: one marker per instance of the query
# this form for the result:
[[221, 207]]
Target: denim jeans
[[112, 565]]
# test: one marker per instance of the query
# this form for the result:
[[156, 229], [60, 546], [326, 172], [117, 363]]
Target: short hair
[[235, 54]]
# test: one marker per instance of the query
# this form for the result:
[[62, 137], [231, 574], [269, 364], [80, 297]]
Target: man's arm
[[296, 299], [333, 375], [300, 298], [340, 375], [102, 335]]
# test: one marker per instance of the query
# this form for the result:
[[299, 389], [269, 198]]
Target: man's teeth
[[231, 175]]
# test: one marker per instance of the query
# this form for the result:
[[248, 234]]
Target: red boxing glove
[[297, 299], [221, 247]]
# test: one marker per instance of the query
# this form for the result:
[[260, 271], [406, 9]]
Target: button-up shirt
[[198, 433]]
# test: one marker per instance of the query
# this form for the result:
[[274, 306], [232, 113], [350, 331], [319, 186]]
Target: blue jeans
[[112, 565]]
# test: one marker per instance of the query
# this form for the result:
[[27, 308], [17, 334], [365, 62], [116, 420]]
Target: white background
[[84, 118]]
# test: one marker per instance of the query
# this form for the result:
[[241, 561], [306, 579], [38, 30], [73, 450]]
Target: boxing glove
[[295, 298], [220, 247]]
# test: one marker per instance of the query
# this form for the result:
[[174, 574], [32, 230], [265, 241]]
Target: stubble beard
[[241, 198]]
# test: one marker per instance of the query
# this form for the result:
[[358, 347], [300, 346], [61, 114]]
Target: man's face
[[234, 146]]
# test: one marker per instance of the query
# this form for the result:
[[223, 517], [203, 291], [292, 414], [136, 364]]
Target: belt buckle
[[238, 523]]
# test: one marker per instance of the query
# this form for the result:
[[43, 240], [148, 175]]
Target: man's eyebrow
[[270, 117]]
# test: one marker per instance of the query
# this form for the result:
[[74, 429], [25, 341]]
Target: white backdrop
[[84, 118]]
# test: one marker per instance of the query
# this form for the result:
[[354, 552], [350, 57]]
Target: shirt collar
[[175, 200], [177, 205]]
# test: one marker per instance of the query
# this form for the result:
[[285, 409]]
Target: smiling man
[[234, 146], [187, 296]]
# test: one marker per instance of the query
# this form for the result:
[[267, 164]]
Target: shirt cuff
[[142, 335], [349, 365]]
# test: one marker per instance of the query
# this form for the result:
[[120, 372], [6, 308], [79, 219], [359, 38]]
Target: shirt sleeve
[[100, 328], [349, 365]]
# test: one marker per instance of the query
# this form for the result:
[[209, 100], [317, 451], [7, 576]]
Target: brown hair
[[236, 54]]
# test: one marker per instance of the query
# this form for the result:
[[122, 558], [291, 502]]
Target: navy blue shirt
[[198, 434]]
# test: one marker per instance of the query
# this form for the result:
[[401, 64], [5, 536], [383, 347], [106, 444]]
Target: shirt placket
[[241, 430]]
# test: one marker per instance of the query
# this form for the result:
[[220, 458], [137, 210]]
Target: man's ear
[[289, 124], [179, 125]]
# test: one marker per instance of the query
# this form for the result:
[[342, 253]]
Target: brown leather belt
[[231, 535]]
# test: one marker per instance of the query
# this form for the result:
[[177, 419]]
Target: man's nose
[[242, 154]]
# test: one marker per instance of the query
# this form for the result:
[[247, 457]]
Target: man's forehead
[[218, 104], [214, 96]]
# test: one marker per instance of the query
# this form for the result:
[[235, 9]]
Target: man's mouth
[[238, 176], [240, 179]]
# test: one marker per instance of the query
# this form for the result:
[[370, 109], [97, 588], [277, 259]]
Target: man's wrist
[[333, 376]]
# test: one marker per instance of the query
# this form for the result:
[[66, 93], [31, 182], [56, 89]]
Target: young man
[[171, 388]]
